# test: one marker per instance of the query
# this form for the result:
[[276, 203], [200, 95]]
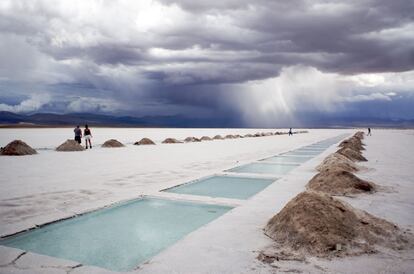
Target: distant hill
[[68, 119], [71, 119], [350, 122]]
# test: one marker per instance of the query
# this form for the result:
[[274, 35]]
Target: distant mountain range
[[361, 122], [72, 119]]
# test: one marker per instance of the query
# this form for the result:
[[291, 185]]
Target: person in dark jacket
[[88, 136], [78, 134]]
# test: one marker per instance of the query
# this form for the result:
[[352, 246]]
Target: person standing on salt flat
[[290, 132], [78, 134], [88, 136], [369, 132]]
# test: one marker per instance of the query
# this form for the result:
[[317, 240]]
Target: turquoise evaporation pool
[[223, 186], [120, 237], [281, 159], [265, 168], [331, 141], [310, 148], [317, 146], [301, 153], [314, 148], [308, 153]]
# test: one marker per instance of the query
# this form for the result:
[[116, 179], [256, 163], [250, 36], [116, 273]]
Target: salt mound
[[352, 143], [248, 135], [218, 137], [337, 161], [359, 135], [230, 136], [191, 139], [17, 148], [257, 134], [70, 145], [317, 224], [112, 143], [144, 141], [205, 138], [339, 182], [351, 154], [171, 141]]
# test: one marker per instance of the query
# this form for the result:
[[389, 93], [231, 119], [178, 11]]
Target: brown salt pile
[[218, 137], [229, 136], [191, 139], [144, 141], [316, 224], [171, 141], [351, 154], [248, 135], [205, 138], [70, 145], [359, 135], [352, 143], [257, 134], [339, 182], [337, 161], [17, 148], [112, 143]]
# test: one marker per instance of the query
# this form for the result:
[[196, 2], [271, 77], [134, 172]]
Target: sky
[[250, 63]]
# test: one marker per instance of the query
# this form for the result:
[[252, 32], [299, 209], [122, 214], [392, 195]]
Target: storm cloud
[[259, 61]]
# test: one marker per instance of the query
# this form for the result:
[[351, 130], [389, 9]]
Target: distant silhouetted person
[[290, 132], [88, 135], [78, 134], [369, 132]]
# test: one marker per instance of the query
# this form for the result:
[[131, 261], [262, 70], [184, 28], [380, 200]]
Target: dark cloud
[[190, 56]]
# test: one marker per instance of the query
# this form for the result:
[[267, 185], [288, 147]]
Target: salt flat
[[232, 243], [53, 185]]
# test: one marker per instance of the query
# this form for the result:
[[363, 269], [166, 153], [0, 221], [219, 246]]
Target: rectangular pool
[[299, 153], [305, 152], [265, 168], [121, 237], [287, 159], [223, 186], [314, 147], [317, 147], [309, 148]]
